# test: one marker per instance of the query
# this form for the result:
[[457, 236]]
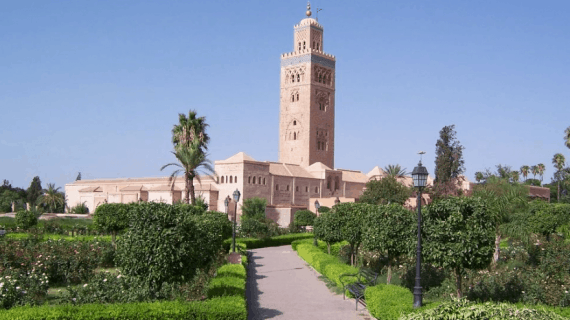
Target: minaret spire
[[308, 13]]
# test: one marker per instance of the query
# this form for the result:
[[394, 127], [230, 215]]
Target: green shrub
[[79, 209], [112, 217], [253, 227], [304, 218], [465, 310], [229, 281], [325, 264], [388, 302], [21, 288], [254, 243], [224, 308], [26, 219]]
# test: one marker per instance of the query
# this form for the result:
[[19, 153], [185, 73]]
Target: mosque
[[305, 171]]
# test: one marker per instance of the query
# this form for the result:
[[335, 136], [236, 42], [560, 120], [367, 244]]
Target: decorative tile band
[[306, 58], [305, 27]]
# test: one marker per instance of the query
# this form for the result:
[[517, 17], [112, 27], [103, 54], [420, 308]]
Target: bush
[[465, 310], [79, 209], [251, 227], [26, 219], [21, 288], [304, 218], [163, 245], [112, 217], [254, 243], [229, 281], [225, 308], [387, 302], [325, 264], [431, 276]]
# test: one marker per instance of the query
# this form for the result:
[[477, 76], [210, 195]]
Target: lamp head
[[237, 194], [317, 204], [420, 175], [227, 202]]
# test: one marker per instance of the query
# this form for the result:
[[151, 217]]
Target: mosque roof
[[91, 189], [353, 176], [132, 188], [238, 157], [165, 187], [318, 166], [376, 171], [288, 170]]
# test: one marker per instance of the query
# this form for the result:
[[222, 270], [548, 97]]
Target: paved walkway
[[282, 286]]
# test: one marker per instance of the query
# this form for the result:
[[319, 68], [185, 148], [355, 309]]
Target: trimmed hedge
[[223, 308], [388, 302], [327, 265], [229, 281], [254, 243]]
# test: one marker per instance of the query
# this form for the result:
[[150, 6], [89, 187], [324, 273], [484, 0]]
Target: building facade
[[305, 171]]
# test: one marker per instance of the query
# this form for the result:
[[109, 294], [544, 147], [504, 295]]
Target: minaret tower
[[306, 124]]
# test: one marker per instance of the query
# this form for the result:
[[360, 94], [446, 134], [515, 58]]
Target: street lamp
[[419, 175], [227, 203], [317, 206], [236, 194]]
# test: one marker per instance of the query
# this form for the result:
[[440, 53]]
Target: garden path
[[282, 286]]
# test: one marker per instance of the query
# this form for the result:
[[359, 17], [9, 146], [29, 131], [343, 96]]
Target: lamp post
[[227, 203], [236, 195], [317, 206], [419, 175]]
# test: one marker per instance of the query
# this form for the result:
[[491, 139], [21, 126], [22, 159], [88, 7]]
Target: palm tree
[[51, 197], [515, 176], [479, 176], [191, 161], [558, 161], [534, 170], [190, 130], [541, 167], [524, 171], [567, 137], [395, 170]]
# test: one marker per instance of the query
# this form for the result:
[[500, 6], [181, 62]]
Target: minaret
[[306, 124]]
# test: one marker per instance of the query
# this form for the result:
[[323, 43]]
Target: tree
[[253, 208], [6, 199], [385, 191], [567, 137], [459, 234], [534, 171], [78, 176], [558, 161], [112, 218], [390, 231], [395, 171], [449, 161], [540, 168], [524, 171], [304, 218], [515, 176], [191, 161], [353, 216], [503, 200], [327, 227], [52, 198], [34, 190], [479, 176], [190, 131]]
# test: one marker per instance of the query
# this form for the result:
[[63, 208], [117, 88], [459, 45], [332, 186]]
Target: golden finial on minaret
[[308, 9]]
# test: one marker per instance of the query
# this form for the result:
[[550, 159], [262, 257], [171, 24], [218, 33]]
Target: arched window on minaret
[[292, 78], [317, 46], [294, 135], [320, 78], [231, 179], [299, 46], [298, 78], [235, 179], [293, 98], [314, 45], [304, 47], [222, 179], [297, 97]]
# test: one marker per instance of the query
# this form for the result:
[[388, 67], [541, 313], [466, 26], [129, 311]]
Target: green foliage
[[324, 209], [26, 219], [449, 161], [254, 227], [304, 218], [325, 264], [163, 245], [385, 191], [34, 190], [328, 227], [224, 308], [253, 208], [390, 231], [6, 199], [52, 199], [112, 217], [388, 302], [546, 217], [458, 234], [465, 310], [254, 243], [20, 288], [353, 217], [532, 182], [81, 208], [229, 281]]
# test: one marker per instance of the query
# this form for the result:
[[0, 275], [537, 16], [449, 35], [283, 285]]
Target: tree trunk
[[389, 277], [190, 187], [329, 247], [558, 193], [497, 248], [458, 284], [113, 236], [352, 255]]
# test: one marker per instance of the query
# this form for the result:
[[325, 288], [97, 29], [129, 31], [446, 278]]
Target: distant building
[[304, 172]]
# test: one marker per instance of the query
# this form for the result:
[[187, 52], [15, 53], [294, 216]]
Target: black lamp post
[[317, 206], [419, 175], [236, 194], [227, 203]]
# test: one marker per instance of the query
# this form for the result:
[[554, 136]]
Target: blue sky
[[96, 86]]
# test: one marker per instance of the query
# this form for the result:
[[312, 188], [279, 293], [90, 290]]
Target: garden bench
[[364, 278]]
